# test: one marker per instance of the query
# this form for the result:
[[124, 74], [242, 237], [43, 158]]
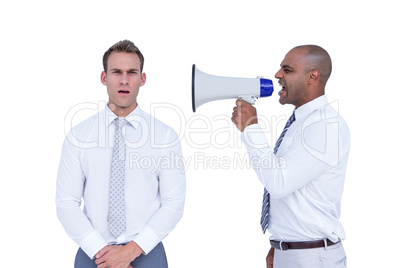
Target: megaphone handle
[[249, 99]]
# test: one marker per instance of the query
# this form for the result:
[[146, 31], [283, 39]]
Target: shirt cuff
[[92, 243], [147, 239], [254, 138]]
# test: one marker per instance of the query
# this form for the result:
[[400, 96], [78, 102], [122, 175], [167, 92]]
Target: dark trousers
[[154, 259]]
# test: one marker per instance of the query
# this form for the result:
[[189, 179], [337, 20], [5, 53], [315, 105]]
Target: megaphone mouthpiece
[[206, 88]]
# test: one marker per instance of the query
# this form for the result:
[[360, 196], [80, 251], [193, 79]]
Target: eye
[[287, 70]]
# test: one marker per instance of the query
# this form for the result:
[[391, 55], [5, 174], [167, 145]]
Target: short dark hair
[[123, 46]]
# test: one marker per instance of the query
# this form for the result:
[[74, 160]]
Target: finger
[[102, 265], [103, 251], [239, 102], [99, 261]]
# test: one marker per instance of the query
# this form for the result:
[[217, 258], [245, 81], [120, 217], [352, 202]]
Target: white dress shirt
[[154, 181], [305, 178]]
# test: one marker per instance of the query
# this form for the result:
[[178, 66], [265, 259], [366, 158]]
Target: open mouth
[[124, 92], [282, 90]]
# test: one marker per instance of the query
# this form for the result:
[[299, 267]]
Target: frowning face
[[123, 80], [293, 78]]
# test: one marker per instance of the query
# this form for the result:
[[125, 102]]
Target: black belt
[[301, 245]]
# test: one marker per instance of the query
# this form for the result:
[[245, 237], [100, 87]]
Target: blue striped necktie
[[265, 202]]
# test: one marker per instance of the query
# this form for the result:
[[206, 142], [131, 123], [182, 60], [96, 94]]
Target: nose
[[279, 74], [124, 78]]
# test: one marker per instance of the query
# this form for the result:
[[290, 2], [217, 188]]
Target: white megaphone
[[206, 88]]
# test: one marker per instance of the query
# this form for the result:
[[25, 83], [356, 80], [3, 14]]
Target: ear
[[143, 79], [313, 76], [103, 78]]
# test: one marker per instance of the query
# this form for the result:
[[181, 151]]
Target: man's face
[[293, 78], [123, 80]]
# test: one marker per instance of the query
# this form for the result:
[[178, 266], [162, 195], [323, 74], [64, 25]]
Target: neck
[[310, 94], [122, 111], [312, 97]]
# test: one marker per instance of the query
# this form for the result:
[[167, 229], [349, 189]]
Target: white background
[[51, 61]]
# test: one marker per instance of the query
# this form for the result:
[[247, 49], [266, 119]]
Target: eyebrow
[[286, 66], [129, 70]]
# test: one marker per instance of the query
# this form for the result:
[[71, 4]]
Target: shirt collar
[[310, 106], [133, 118]]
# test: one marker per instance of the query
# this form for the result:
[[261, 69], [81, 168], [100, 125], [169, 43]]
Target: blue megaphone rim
[[266, 87]]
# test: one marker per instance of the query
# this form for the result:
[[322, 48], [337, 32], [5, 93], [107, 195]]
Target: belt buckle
[[283, 246]]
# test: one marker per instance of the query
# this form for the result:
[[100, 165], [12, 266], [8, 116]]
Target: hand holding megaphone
[[244, 114], [206, 88]]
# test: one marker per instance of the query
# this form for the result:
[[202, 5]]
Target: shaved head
[[303, 75], [317, 58]]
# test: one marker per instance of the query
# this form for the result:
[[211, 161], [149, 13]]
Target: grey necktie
[[117, 211], [265, 202]]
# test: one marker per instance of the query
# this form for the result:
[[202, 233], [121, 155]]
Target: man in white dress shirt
[[305, 177], [153, 189]]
